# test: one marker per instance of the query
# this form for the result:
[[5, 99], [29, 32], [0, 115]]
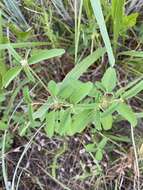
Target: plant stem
[[137, 171]]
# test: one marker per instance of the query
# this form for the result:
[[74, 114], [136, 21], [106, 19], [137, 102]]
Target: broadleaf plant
[[72, 105], [77, 105], [24, 64]]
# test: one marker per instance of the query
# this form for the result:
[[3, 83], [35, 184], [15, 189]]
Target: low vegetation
[[71, 95]]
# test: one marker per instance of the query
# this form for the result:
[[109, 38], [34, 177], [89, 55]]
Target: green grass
[[70, 72]]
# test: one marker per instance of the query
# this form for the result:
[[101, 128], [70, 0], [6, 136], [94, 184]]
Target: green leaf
[[26, 94], [43, 109], [10, 75], [23, 130], [28, 73], [94, 92], [90, 147], [12, 51], [119, 138], [130, 20], [66, 90], [3, 126], [80, 121], [87, 6], [111, 109], [82, 67], [0, 82], [102, 143], [133, 91], [128, 86], [97, 121], [126, 112], [2, 97], [68, 125], [81, 91], [57, 122], [30, 115], [42, 55], [132, 53], [99, 155], [100, 86], [22, 45], [65, 122], [3, 68], [50, 123], [117, 17], [53, 88], [85, 106], [107, 122], [96, 5], [109, 79]]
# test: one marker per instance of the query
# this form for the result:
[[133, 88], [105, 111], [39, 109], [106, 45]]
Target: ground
[[63, 163]]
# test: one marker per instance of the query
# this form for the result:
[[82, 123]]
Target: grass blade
[[133, 53], [133, 91], [2, 58], [77, 27], [15, 13], [22, 45], [117, 16], [96, 5], [81, 67]]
